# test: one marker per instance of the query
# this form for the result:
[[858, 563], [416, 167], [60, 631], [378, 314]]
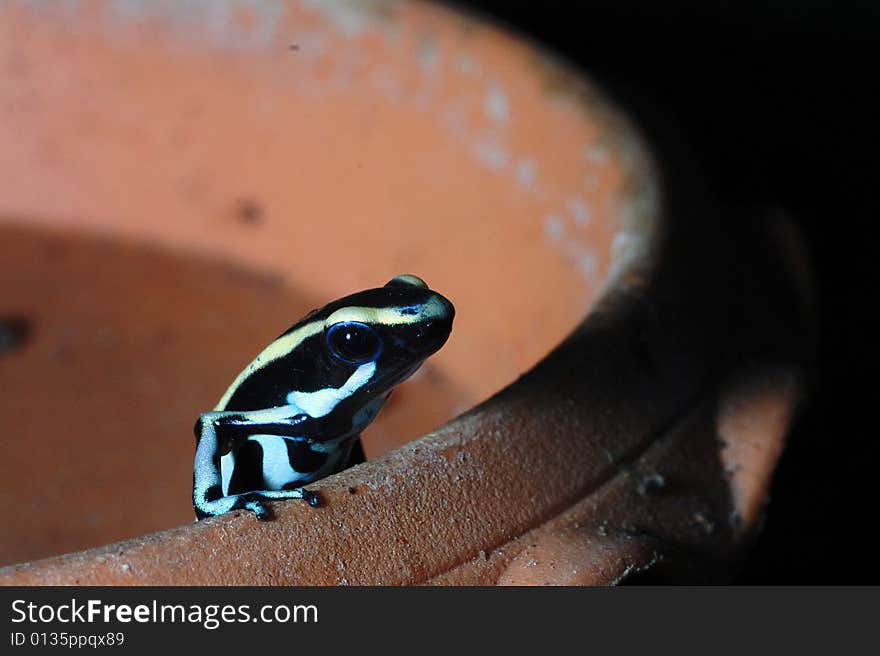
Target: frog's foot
[[253, 501], [308, 496], [221, 505]]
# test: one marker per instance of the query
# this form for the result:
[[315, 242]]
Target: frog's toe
[[261, 512], [260, 509]]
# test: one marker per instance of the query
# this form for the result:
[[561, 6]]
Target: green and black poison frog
[[295, 413]]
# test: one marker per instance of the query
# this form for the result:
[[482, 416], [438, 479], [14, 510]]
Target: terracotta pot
[[181, 181]]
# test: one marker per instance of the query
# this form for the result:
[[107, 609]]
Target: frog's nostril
[[448, 309]]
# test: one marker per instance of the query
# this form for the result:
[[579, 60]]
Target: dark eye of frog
[[353, 342]]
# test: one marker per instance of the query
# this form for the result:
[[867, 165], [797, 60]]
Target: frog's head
[[375, 339], [394, 327]]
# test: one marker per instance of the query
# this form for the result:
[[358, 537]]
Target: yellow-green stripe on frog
[[295, 413]]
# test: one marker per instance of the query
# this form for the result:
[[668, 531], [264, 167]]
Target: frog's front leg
[[208, 497]]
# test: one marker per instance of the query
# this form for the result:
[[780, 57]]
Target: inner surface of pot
[[179, 187]]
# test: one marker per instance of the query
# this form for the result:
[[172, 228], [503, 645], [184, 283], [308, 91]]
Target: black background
[[779, 104]]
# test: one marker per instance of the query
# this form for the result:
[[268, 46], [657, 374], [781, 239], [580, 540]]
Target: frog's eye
[[407, 280], [353, 342]]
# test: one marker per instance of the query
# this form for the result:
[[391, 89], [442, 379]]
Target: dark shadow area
[[14, 333], [777, 103]]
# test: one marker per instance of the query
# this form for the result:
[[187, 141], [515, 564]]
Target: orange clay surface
[[176, 188]]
